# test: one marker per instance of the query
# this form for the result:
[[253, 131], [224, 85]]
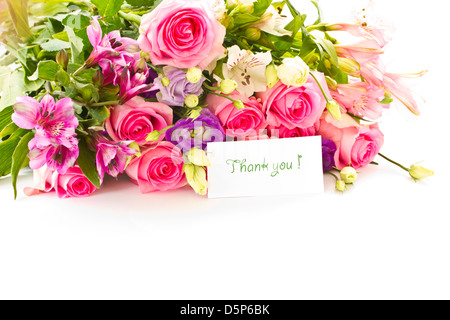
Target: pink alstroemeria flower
[[133, 81], [54, 143], [362, 52], [112, 157], [360, 99], [112, 46]]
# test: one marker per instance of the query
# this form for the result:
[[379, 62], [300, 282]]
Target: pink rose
[[238, 123], [73, 184], [283, 132], [134, 120], [295, 107], [160, 168], [356, 144], [182, 34]]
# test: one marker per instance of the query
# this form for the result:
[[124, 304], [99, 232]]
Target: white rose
[[293, 72]]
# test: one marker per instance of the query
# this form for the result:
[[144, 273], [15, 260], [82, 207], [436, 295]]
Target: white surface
[[265, 168], [387, 238]]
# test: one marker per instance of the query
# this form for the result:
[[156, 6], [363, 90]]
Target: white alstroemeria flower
[[247, 69], [273, 23], [220, 8]]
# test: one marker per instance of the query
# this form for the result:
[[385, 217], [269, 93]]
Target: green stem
[[332, 174], [320, 86], [105, 104], [81, 69], [223, 96], [211, 88], [393, 162], [130, 17]]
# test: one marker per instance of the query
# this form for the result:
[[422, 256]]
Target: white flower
[[247, 69], [272, 22], [293, 72]]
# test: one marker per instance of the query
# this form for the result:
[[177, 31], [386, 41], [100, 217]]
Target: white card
[[265, 167]]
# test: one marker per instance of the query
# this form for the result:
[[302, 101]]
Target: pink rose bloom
[[360, 99], [134, 120], [295, 107], [160, 168], [72, 184], [238, 123], [356, 144], [282, 132], [182, 34]]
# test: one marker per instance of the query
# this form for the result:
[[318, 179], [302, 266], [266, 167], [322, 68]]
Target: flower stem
[[105, 104], [130, 17], [393, 162], [223, 96], [210, 88], [320, 86], [332, 174], [81, 69]]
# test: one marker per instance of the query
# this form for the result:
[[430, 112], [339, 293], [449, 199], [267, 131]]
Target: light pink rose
[[182, 34], [356, 144], [283, 132], [238, 123], [295, 107], [160, 168], [134, 120], [73, 184]]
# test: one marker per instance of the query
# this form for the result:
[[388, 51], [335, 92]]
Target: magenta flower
[[54, 143], [112, 46], [133, 81], [112, 157]]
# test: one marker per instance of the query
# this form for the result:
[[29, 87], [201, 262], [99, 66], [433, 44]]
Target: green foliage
[[20, 159], [18, 11], [108, 8], [87, 163], [12, 85], [141, 3]]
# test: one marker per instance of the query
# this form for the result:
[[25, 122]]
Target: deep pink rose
[[134, 120], [182, 34], [356, 144], [283, 132], [238, 123], [73, 184], [295, 107], [160, 168]]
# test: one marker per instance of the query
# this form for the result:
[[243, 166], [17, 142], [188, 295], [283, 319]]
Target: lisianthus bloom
[[136, 119], [189, 133], [182, 34], [360, 99], [247, 69], [160, 168], [111, 46], [174, 91], [295, 107], [112, 156], [72, 184], [357, 145], [54, 143], [328, 152], [247, 121]]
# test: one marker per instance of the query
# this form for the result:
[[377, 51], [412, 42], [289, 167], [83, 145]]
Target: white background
[[386, 239]]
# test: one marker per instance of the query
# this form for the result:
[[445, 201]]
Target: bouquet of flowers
[[105, 87]]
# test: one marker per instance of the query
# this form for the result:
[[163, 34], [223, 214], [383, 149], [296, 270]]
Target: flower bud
[[419, 172], [196, 177], [334, 109], [228, 86], [62, 58], [191, 101], [195, 113], [165, 81], [293, 72], [239, 104], [253, 34], [247, 8], [153, 136], [349, 66], [271, 75], [349, 175], [340, 186], [194, 75], [197, 157], [98, 78]]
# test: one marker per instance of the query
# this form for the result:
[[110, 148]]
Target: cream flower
[[293, 72]]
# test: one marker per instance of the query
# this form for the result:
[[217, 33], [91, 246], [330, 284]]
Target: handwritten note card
[[265, 167]]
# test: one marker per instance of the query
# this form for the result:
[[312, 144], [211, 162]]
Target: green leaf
[[329, 48], [5, 117], [48, 9], [387, 101], [319, 12], [20, 159], [8, 130], [107, 8], [46, 70], [141, 3], [18, 11], [87, 163], [76, 44], [7, 149], [100, 114], [54, 45], [77, 22], [11, 86], [261, 6]]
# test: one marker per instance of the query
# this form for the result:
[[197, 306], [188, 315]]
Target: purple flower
[[112, 157], [178, 88], [328, 151], [190, 133], [152, 75], [54, 142]]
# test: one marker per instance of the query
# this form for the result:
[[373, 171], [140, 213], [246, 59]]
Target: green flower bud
[[253, 34], [349, 175], [153, 136], [419, 172], [98, 78], [340, 186], [62, 58], [349, 66], [334, 109], [228, 86], [271, 76], [196, 177], [194, 75], [191, 101], [165, 81], [239, 104]]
